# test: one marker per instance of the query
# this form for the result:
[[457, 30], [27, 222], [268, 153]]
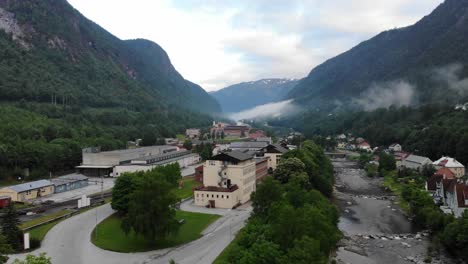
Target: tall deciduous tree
[[124, 186], [151, 212]]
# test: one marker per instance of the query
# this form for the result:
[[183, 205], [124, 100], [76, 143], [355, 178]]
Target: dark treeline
[[292, 221], [430, 130], [44, 137]]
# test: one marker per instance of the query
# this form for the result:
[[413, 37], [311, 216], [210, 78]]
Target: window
[[212, 196], [212, 162], [197, 195], [217, 196], [222, 196], [227, 196], [202, 195]]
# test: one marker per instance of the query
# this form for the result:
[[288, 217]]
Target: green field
[[111, 236], [187, 190], [40, 232]]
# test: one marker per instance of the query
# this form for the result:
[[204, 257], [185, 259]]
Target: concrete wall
[[184, 162], [222, 199]]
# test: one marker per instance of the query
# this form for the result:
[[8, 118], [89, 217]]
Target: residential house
[[69, 182], [415, 162], [274, 152], [364, 146], [399, 157], [395, 147], [451, 164], [257, 134], [28, 191], [341, 137], [192, 133], [457, 198], [435, 184], [229, 179]]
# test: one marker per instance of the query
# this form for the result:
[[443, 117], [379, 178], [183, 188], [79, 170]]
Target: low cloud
[[449, 76], [271, 110], [384, 95]]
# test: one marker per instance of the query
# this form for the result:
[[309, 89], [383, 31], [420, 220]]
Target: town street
[[69, 241]]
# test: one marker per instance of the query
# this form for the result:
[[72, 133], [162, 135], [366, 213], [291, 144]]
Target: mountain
[[247, 95], [430, 58], [51, 53]]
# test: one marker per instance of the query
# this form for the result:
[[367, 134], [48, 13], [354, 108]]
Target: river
[[374, 227]]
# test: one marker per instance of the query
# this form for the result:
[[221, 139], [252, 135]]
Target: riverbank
[[375, 228]]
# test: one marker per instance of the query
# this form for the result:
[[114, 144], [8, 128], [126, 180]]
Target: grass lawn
[[180, 137], [111, 236], [40, 232], [44, 218], [186, 191]]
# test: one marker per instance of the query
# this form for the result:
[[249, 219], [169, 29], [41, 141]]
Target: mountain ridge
[[84, 64], [412, 54], [246, 95]]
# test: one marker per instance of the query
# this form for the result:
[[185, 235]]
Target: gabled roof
[[275, 148], [448, 162], [417, 159], [446, 173], [232, 156], [30, 186]]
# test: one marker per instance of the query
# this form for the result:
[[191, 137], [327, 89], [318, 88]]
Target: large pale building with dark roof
[[229, 179]]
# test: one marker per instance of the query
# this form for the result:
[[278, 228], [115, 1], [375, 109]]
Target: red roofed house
[[452, 164], [257, 134], [364, 146]]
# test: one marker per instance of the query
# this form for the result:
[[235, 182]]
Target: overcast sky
[[219, 43]]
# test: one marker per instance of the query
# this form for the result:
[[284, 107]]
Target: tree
[[188, 144], [222, 135], [386, 162], [151, 212], [428, 170], [267, 193], [124, 186], [289, 169], [5, 249], [31, 259], [10, 228]]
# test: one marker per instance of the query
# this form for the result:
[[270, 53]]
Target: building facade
[[273, 153], [452, 164], [228, 180], [28, 191], [69, 182]]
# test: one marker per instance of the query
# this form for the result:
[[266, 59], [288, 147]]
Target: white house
[[395, 147], [452, 164]]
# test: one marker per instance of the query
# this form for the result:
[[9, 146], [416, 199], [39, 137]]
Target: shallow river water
[[374, 227]]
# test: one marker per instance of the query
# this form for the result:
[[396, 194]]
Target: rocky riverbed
[[375, 228]]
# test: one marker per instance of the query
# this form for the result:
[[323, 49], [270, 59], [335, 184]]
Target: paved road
[[69, 241]]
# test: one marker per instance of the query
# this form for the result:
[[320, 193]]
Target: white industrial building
[[185, 158], [101, 163]]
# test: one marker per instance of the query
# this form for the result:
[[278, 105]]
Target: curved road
[[69, 241]]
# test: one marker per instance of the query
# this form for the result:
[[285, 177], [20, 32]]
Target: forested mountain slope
[[51, 53], [431, 57]]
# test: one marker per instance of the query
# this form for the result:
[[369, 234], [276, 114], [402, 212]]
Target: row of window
[[212, 196]]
